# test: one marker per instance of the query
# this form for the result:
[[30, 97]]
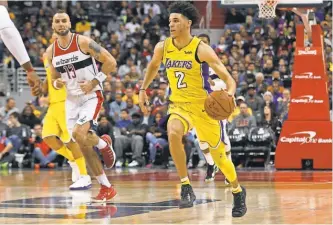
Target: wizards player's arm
[[152, 70], [56, 77], [207, 54], [12, 39], [109, 64]]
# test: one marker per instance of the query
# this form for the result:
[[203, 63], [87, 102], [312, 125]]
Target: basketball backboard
[[281, 4]]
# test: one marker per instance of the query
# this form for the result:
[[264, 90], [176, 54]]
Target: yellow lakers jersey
[[54, 94], [188, 78]]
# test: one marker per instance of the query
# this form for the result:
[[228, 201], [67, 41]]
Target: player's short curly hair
[[186, 9]]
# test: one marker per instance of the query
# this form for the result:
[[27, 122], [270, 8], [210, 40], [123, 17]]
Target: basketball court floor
[[151, 197]]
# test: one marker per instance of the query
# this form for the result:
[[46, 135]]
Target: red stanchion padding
[[304, 140], [307, 134], [317, 36], [309, 100]]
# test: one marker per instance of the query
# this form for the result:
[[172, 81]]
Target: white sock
[[102, 179], [209, 158], [101, 144]]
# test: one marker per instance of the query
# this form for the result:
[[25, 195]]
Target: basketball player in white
[[13, 41], [72, 62], [216, 85]]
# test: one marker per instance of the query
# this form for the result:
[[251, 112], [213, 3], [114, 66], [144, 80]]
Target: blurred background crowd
[[258, 54]]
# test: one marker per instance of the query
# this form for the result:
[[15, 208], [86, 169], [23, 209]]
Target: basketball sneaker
[[105, 194], [211, 171], [83, 183], [109, 156], [239, 209], [187, 197]]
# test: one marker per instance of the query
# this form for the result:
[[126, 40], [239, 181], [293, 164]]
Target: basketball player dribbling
[[183, 56], [71, 60], [13, 41]]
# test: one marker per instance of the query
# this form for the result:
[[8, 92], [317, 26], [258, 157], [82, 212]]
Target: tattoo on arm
[[96, 49]]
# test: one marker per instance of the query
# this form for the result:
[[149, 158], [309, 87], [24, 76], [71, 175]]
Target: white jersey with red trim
[[74, 66], [218, 83]]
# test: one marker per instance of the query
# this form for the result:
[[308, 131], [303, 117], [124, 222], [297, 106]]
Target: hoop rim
[[282, 4], [267, 8]]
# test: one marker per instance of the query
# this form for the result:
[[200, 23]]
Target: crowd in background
[[258, 54]]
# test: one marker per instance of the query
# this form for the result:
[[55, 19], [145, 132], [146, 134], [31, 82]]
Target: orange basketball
[[219, 105]]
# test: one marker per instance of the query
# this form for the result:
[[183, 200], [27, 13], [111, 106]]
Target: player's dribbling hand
[[143, 101], [86, 86], [35, 83], [232, 96]]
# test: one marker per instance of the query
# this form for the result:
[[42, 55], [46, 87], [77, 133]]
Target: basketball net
[[267, 8]]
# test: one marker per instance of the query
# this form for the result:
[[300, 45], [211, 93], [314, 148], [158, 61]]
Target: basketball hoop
[[267, 8]]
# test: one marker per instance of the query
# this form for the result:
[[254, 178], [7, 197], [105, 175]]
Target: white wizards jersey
[[74, 66], [218, 83]]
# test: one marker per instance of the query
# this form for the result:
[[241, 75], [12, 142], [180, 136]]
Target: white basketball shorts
[[82, 109]]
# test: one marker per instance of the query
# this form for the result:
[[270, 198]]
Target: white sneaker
[[134, 163], [119, 164], [201, 163], [83, 183], [75, 171], [190, 165]]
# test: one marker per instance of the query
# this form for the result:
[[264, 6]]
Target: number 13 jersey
[[74, 65], [188, 77]]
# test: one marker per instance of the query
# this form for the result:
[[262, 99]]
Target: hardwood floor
[[151, 197]]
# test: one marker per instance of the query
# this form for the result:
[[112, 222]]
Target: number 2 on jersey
[[70, 69], [180, 76]]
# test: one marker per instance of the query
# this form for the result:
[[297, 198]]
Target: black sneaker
[[187, 197], [210, 175], [239, 209]]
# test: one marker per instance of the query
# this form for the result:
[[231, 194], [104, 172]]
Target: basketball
[[219, 105]]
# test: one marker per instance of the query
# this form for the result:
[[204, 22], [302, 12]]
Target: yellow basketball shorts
[[55, 122], [209, 131]]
